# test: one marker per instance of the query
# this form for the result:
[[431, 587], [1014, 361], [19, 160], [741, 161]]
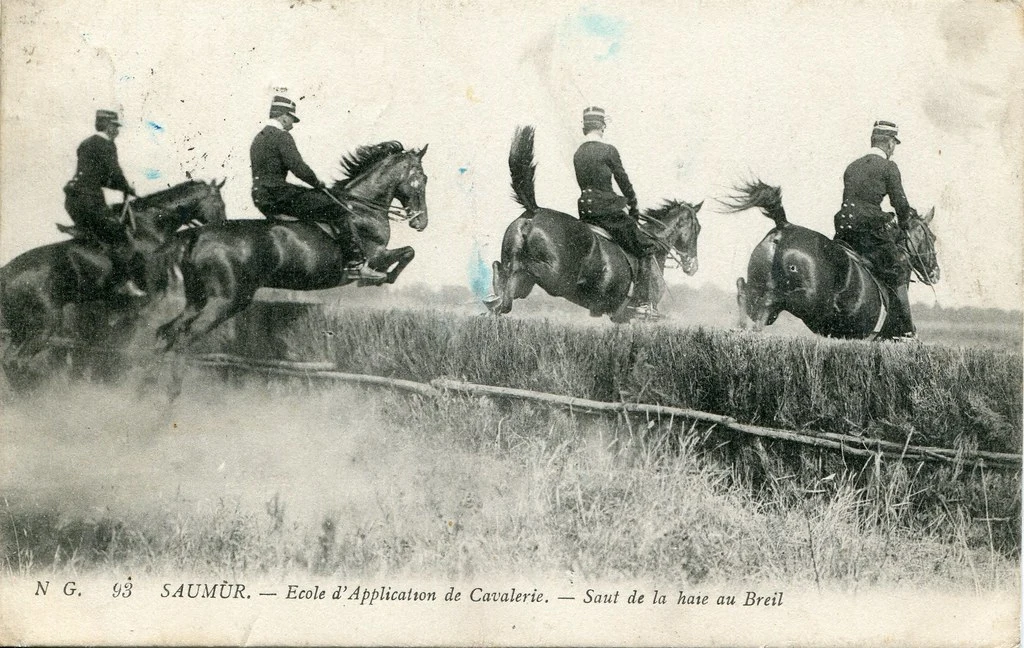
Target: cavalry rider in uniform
[[863, 225], [97, 169], [596, 163], [272, 155]]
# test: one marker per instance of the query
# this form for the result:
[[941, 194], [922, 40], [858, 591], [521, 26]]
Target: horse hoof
[[492, 302]]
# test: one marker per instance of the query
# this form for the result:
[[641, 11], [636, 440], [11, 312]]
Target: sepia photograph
[[467, 322]]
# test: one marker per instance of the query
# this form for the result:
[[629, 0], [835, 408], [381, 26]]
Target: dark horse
[[568, 259], [224, 265], [818, 280], [37, 286]]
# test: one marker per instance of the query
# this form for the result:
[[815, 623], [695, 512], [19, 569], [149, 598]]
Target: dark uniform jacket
[[272, 155], [866, 182], [863, 225], [97, 168], [596, 164]]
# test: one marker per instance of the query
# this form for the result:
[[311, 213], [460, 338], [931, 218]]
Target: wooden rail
[[841, 443]]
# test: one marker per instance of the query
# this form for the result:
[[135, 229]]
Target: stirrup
[[646, 312], [365, 275], [130, 289]]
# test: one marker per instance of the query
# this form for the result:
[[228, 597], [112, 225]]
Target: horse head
[[677, 229], [192, 202], [412, 188], [378, 174], [920, 247]]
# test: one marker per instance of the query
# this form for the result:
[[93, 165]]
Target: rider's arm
[[897, 197], [293, 161], [116, 178], [619, 173]]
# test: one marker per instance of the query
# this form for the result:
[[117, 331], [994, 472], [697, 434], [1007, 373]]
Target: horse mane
[[661, 212], [166, 196], [761, 195], [355, 164]]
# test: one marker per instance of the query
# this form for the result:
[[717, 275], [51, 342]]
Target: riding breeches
[[310, 204], [89, 212], [625, 231], [889, 260]]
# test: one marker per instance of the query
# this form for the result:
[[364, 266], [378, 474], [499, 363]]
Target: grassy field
[[563, 492], [245, 475]]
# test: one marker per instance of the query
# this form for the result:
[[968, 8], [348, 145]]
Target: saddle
[[75, 231], [82, 235], [330, 229]]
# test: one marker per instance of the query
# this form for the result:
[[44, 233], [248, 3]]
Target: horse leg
[[214, 312], [385, 259], [171, 331], [22, 361], [516, 286], [742, 321]]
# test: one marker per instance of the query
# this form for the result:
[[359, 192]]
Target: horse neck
[[152, 228], [377, 184], [667, 231], [179, 209], [918, 249]]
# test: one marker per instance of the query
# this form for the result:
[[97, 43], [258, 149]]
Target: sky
[[700, 96]]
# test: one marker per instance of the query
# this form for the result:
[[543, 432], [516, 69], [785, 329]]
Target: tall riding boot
[[356, 267], [906, 322], [644, 288], [126, 266]]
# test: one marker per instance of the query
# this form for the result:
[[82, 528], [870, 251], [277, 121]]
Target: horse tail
[[522, 167], [758, 194]]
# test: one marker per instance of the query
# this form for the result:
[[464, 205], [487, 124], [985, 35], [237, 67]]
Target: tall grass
[[929, 395]]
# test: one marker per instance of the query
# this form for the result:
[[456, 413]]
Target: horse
[[224, 265], [38, 286], [566, 258], [822, 282]]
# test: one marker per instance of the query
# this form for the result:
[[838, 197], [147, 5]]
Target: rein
[[916, 255], [126, 210], [913, 251], [396, 213], [670, 252]]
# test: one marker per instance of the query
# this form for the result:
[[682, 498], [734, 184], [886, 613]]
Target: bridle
[[395, 213], [922, 260], [666, 247]]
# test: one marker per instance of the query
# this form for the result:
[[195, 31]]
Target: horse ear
[[221, 183], [929, 216], [696, 208], [188, 175], [420, 153]]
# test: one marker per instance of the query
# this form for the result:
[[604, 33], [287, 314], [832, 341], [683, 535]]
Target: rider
[[272, 155], [98, 168], [596, 163], [875, 234]]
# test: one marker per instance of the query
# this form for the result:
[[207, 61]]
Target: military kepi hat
[[593, 116], [104, 117], [886, 128], [282, 106]]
